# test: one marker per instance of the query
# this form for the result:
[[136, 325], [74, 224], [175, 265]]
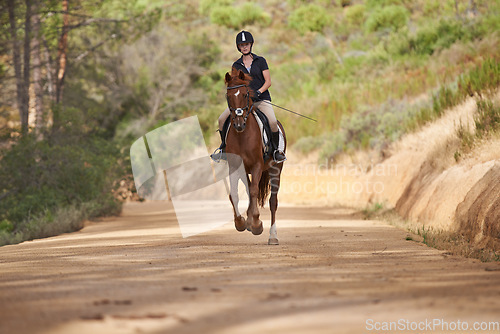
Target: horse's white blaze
[[237, 93], [272, 232]]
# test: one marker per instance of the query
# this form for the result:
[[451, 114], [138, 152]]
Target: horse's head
[[238, 98]]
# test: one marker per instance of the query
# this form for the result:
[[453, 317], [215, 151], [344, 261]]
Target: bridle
[[240, 111]]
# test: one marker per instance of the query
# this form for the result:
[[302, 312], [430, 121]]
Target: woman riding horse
[[257, 67], [245, 149]]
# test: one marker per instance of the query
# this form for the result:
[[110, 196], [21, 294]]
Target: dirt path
[[332, 273]]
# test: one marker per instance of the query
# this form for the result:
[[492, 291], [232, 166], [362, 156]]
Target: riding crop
[[293, 112]]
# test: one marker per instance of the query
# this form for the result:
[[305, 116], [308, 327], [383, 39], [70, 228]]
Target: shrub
[[487, 119], [483, 77], [44, 177], [435, 37], [392, 17], [309, 18], [224, 16], [308, 144], [449, 32], [251, 13], [237, 17], [355, 15], [206, 6], [425, 40], [382, 3]]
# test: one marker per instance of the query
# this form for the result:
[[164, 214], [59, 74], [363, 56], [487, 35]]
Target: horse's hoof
[[273, 241], [257, 230], [240, 223]]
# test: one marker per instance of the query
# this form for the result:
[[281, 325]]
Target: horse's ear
[[241, 75], [228, 77]]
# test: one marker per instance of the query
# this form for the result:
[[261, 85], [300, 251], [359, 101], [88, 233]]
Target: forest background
[[82, 80]]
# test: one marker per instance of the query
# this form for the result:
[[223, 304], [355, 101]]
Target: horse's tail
[[264, 188]]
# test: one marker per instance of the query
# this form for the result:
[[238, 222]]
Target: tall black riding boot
[[278, 156], [220, 153]]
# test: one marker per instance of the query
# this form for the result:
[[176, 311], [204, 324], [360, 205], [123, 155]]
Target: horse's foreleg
[[253, 210], [275, 173], [239, 221]]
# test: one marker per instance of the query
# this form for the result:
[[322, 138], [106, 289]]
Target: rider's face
[[245, 47]]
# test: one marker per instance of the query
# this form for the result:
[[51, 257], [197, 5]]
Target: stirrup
[[218, 155], [278, 161]]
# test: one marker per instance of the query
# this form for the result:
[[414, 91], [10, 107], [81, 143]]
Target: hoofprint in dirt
[[332, 273]]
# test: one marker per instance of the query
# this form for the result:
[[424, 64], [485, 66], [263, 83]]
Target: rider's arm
[[267, 83]]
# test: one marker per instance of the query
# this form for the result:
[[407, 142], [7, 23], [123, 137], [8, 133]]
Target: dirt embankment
[[421, 179]]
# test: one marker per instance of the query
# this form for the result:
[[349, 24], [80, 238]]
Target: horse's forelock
[[236, 80]]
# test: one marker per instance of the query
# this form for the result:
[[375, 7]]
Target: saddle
[[265, 130]]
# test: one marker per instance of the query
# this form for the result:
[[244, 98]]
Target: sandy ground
[[332, 273]]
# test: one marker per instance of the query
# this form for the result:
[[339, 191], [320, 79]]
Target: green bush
[[437, 37], [355, 15], [308, 144], [391, 17], [251, 13], [487, 119], [206, 6], [483, 77], [238, 17], [44, 177], [225, 16], [425, 40], [382, 3], [309, 18]]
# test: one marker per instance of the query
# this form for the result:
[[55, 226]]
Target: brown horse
[[244, 145]]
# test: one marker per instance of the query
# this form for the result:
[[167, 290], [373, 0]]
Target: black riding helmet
[[243, 37]]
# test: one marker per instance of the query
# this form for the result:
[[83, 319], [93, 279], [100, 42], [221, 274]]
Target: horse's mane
[[236, 80]]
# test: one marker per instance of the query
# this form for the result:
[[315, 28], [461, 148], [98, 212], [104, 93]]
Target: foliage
[[224, 16], [206, 6], [238, 17], [382, 3], [435, 37], [391, 17], [355, 14], [486, 124], [43, 176], [487, 119], [309, 17]]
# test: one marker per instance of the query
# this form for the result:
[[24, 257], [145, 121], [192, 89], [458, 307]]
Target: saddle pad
[[265, 140]]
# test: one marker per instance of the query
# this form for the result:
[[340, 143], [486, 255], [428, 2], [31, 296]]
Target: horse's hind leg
[[275, 173]]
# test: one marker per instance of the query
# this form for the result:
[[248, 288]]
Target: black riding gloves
[[258, 94]]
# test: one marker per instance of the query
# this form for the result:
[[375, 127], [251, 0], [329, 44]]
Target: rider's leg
[[223, 117], [219, 153], [268, 110]]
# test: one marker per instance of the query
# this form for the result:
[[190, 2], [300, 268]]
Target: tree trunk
[[26, 70], [61, 62], [16, 58], [62, 51], [37, 76], [50, 71]]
